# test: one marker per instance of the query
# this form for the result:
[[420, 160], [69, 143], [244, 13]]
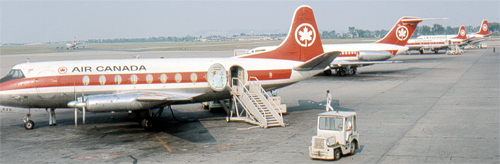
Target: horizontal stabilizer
[[318, 62]]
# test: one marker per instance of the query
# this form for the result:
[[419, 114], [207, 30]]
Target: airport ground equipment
[[337, 135], [455, 50], [257, 106]]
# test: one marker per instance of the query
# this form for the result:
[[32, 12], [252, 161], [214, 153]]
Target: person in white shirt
[[328, 101]]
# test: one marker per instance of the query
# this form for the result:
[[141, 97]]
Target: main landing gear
[[150, 120], [343, 71]]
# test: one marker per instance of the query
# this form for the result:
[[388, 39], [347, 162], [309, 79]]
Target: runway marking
[[169, 150]]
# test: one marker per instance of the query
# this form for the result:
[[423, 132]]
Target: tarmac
[[432, 108]]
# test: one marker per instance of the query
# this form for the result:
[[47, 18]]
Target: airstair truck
[[337, 135]]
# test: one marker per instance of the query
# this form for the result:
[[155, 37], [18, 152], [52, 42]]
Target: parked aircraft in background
[[73, 45], [437, 43], [138, 85], [484, 31], [356, 55]]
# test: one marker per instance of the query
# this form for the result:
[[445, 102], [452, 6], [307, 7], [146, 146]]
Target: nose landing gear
[[28, 124]]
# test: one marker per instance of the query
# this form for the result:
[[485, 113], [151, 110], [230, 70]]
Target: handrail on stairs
[[275, 106], [251, 98]]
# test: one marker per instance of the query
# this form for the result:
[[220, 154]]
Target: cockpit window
[[13, 74]]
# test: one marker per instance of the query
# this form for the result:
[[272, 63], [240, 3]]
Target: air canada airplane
[[73, 45], [484, 31], [364, 54], [437, 43], [138, 85]]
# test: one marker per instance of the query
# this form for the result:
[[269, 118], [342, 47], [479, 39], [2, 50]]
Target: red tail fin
[[462, 34], [401, 32], [484, 29], [303, 41], [74, 41]]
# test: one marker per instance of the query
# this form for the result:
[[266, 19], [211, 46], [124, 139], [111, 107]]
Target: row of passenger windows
[[118, 79]]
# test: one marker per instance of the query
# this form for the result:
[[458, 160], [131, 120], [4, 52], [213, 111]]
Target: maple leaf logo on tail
[[402, 33], [485, 27], [306, 33]]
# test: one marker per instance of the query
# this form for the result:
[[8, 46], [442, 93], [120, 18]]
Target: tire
[[354, 145], [336, 154], [29, 125], [341, 72], [147, 123]]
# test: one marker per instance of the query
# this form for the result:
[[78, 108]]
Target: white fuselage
[[350, 51], [56, 83]]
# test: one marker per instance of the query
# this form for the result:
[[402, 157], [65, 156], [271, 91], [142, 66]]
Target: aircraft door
[[239, 73]]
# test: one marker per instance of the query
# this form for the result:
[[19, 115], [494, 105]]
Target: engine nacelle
[[374, 55], [107, 103]]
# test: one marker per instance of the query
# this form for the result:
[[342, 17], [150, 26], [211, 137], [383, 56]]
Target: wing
[[130, 101]]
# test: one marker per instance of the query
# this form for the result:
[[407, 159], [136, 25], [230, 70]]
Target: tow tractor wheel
[[353, 147], [29, 125], [336, 154]]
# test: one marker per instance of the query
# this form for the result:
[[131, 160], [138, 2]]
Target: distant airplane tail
[[74, 41], [401, 32], [462, 34], [302, 43], [484, 29]]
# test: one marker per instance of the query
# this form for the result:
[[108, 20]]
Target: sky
[[44, 21]]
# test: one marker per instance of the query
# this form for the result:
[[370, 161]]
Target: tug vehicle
[[337, 135]]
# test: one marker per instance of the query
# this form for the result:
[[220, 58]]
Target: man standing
[[328, 100]]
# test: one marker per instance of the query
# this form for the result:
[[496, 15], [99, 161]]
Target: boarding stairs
[[257, 105]]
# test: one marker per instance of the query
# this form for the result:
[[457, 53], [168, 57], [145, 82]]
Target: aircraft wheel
[[354, 70], [341, 72], [421, 51], [336, 154], [436, 51], [147, 123], [29, 125]]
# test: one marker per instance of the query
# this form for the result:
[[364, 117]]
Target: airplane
[[73, 45], [484, 31], [364, 54], [435, 44], [141, 85]]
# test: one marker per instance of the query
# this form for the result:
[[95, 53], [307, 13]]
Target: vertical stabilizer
[[401, 32], [302, 43], [462, 34], [484, 29]]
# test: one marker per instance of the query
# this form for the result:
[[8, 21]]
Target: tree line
[[436, 29]]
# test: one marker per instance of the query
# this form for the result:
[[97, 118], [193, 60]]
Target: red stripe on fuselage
[[77, 80]]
